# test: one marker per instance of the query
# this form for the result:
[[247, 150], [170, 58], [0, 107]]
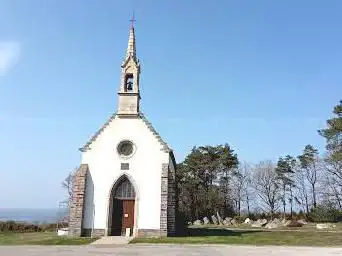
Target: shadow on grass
[[214, 232]]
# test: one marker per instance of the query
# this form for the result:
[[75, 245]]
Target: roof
[[141, 116]]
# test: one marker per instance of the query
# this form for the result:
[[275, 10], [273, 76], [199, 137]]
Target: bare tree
[[241, 189], [67, 184], [334, 168], [332, 191], [237, 183], [266, 186], [302, 191], [248, 193]]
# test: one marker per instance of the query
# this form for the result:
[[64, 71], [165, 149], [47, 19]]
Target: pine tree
[[203, 181], [333, 136], [285, 172], [309, 163]]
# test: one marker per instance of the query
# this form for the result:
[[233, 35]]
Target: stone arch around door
[[122, 206]]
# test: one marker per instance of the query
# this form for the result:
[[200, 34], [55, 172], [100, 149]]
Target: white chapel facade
[[126, 183]]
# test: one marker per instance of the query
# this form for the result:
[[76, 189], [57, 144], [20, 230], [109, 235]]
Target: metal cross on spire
[[131, 40], [132, 20]]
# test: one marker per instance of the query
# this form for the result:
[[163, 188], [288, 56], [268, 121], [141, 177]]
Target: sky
[[262, 76]]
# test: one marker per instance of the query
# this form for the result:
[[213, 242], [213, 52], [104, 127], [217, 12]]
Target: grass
[[41, 238], [250, 237], [306, 237]]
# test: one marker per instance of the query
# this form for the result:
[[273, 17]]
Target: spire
[[129, 93], [131, 41]]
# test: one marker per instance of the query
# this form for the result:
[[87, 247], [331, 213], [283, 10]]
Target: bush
[[239, 219], [23, 227], [298, 216], [181, 224], [325, 213], [12, 226]]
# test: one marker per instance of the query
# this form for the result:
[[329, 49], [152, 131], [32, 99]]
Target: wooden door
[[128, 215], [116, 226]]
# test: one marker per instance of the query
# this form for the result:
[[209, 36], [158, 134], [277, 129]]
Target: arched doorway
[[121, 211]]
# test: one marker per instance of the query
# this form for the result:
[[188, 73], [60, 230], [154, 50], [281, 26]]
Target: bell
[[130, 86]]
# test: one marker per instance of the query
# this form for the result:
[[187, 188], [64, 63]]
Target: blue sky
[[262, 76]]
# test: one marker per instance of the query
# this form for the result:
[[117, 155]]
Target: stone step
[[119, 240]]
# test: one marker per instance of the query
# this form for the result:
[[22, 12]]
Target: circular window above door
[[125, 149]]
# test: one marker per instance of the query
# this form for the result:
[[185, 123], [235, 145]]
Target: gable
[[163, 144], [131, 62]]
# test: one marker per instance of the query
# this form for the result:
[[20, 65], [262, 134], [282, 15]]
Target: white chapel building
[[126, 182]]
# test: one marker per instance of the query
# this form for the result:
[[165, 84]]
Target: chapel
[[126, 182]]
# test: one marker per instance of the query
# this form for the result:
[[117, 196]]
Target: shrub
[[181, 224], [23, 227], [12, 226], [239, 219], [298, 216], [325, 213]]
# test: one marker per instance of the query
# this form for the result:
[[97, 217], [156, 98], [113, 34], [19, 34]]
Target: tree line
[[211, 179]]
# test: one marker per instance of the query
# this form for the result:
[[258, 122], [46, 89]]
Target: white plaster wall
[[144, 168], [89, 203]]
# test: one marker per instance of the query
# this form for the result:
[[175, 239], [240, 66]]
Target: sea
[[33, 215]]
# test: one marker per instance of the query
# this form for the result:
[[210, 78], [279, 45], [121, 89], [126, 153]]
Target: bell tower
[[129, 93]]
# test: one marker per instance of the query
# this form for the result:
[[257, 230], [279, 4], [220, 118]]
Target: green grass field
[[216, 235], [40, 238], [251, 237]]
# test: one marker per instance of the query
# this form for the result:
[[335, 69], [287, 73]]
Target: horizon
[[262, 77]]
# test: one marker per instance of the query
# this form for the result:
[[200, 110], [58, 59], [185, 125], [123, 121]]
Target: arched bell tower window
[[129, 83]]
